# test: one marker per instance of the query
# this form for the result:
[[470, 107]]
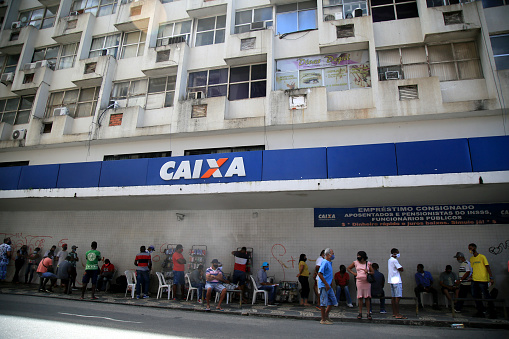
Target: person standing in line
[[19, 262], [91, 270], [342, 280], [33, 262], [327, 297], [464, 277], [64, 271], [362, 269], [377, 288], [239, 270], [304, 280], [481, 278], [74, 260], [5, 256], [315, 276], [178, 271], [394, 280], [62, 255], [144, 263]]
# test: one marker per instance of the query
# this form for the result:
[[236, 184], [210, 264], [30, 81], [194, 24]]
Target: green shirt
[[93, 257]]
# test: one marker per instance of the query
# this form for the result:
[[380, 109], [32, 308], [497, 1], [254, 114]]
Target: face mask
[[266, 268], [9, 242], [332, 257], [35, 252], [397, 255], [215, 267], [306, 259], [359, 258], [471, 252]]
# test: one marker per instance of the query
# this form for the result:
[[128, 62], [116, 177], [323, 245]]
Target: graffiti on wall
[[278, 252], [500, 248]]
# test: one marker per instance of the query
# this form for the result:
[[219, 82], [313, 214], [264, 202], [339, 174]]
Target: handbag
[[370, 277]]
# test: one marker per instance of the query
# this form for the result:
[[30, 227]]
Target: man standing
[[424, 282], [64, 272], [19, 262], [447, 281], [178, 271], [394, 280], [239, 269], [91, 270], [318, 263], [214, 278], [51, 253], [377, 288], [263, 284], [144, 263], [481, 276], [464, 276], [327, 297], [62, 255], [74, 260], [33, 263], [5, 256]]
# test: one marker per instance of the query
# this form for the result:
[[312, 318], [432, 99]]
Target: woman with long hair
[[304, 280], [362, 269]]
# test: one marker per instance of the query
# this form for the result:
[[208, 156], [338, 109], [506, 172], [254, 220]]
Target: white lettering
[[163, 173], [183, 171], [197, 169], [236, 168], [213, 164]]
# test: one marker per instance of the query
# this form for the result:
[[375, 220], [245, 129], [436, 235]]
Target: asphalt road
[[37, 317]]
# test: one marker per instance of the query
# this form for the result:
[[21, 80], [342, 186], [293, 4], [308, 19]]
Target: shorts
[[90, 274], [218, 287], [397, 290], [239, 278], [178, 278], [327, 298]]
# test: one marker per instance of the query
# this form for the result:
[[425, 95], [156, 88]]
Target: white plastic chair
[[256, 291], [162, 285], [131, 283], [191, 289]]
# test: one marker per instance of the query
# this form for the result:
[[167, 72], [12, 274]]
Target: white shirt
[[394, 277], [319, 263]]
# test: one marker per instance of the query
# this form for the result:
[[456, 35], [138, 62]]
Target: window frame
[[160, 31], [504, 55], [215, 30], [394, 5], [6, 67], [340, 4], [51, 107], [115, 48], [45, 17], [265, 25], [130, 96], [59, 57], [298, 11], [165, 92], [101, 4], [19, 109], [140, 49]]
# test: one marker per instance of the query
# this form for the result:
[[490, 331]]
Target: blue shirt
[[262, 277], [377, 287], [326, 270], [425, 280]]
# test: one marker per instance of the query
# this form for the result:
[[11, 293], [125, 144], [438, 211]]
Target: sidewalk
[[426, 317]]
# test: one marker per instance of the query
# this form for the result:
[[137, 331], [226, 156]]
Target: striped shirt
[[240, 261], [144, 261], [214, 273], [465, 267]]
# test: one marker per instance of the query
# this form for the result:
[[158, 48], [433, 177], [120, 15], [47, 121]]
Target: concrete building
[[229, 123]]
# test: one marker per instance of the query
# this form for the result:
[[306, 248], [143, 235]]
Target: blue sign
[[426, 215]]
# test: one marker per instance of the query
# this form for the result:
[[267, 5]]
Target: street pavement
[[340, 314]]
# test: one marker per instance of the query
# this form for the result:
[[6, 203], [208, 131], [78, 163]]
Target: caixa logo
[[184, 170]]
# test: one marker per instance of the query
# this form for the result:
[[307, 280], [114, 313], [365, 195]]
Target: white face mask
[[397, 255]]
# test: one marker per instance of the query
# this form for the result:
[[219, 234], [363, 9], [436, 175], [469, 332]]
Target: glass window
[[62, 56], [171, 30], [261, 16], [106, 45], [40, 18], [500, 45], [8, 63], [96, 7], [130, 93], [386, 10], [296, 17], [210, 30], [80, 102], [133, 44], [16, 111], [494, 3], [161, 92]]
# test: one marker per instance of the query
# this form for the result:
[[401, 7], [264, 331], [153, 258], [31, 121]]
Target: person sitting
[[342, 278], [262, 283], [377, 288], [447, 281], [424, 282], [214, 278], [196, 278], [106, 275]]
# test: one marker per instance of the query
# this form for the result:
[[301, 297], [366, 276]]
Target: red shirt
[[108, 268], [176, 265], [341, 281], [44, 264]]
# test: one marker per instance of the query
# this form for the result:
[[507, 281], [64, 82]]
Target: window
[[150, 155], [345, 31], [296, 17], [500, 45], [9, 63], [133, 44], [248, 82], [237, 83], [210, 30], [494, 3], [335, 71], [409, 92], [40, 17], [62, 56], [161, 92], [176, 29], [16, 111], [96, 7], [453, 61], [224, 150], [343, 9], [437, 3], [386, 10], [130, 93], [106, 45], [79, 102], [261, 16]]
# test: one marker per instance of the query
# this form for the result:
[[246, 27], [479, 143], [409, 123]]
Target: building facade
[[229, 123]]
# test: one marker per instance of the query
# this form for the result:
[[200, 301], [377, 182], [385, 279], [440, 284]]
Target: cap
[[151, 247], [459, 255], [74, 247], [179, 246], [265, 264], [215, 261], [64, 245]]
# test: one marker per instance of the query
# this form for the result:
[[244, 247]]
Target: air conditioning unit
[[176, 39], [29, 66], [60, 111], [329, 17], [7, 78], [76, 13], [196, 95], [257, 25], [357, 12], [19, 134], [338, 15], [391, 75], [16, 25]]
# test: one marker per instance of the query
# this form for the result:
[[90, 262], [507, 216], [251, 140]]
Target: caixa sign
[[210, 168]]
